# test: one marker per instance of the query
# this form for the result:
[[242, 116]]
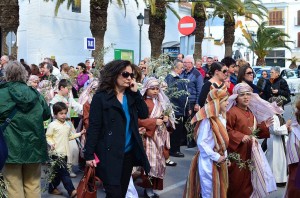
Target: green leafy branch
[[254, 132], [3, 187], [235, 157], [55, 162]]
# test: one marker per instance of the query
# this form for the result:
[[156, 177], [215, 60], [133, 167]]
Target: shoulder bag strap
[[8, 119]]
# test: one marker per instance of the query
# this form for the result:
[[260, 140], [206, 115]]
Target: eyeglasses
[[154, 88], [126, 74], [216, 60], [224, 71], [264, 74], [186, 62], [143, 68], [249, 73]]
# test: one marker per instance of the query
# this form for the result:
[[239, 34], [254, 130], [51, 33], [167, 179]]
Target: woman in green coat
[[24, 136]]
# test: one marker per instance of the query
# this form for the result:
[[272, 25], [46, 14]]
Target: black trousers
[[175, 137], [119, 191]]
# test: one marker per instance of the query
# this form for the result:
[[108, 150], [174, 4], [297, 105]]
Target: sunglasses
[[154, 88], [249, 73], [143, 68], [224, 71], [127, 74]]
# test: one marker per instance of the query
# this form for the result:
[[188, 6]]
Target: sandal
[[170, 163]]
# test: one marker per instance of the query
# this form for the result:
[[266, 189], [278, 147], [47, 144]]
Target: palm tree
[[199, 14], [268, 38], [9, 21], [158, 11], [229, 9]]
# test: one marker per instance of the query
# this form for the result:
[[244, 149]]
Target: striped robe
[[293, 153]]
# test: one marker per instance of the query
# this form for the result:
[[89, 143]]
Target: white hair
[[190, 58], [6, 58]]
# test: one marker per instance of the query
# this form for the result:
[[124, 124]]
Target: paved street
[[175, 176]]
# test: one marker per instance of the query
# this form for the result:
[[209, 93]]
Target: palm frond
[[173, 11]]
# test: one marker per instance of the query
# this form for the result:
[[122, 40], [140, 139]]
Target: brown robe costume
[[238, 123], [150, 125]]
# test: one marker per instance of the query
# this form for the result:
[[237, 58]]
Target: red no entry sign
[[186, 25]]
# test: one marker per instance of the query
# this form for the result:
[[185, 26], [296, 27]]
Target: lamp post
[[140, 19]]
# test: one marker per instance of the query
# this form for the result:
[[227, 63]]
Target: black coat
[[281, 85], [106, 134]]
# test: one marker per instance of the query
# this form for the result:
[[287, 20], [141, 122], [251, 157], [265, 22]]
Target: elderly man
[[206, 68], [194, 85], [176, 84], [47, 70], [246, 112]]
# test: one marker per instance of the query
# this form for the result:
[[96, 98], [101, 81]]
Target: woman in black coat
[[113, 128], [278, 86]]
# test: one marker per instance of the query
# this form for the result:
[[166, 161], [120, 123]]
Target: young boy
[[64, 96], [58, 134]]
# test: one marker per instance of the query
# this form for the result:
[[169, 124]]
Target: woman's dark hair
[[297, 114], [242, 73], [35, 70], [137, 73], [83, 67], [109, 74], [59, 106], [215, 66], [63, 83]]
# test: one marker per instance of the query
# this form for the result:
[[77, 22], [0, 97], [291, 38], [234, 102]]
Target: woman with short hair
[[279, 86], [24, 135]]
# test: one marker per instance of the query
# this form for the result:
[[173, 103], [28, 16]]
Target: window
[[275, 18], [298, 39]]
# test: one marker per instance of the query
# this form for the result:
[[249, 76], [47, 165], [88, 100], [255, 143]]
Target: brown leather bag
[[87, 186]]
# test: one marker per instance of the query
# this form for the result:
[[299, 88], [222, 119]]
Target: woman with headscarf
[[212, 140], [247, 112], [157, 137], [276, 145]]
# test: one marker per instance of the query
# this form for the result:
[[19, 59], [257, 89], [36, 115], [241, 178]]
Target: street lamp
[[140, 19]]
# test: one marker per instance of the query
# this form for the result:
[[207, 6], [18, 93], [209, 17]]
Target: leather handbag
[[87, 186]]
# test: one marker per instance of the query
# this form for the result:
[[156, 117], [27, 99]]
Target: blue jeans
[[61, 174]]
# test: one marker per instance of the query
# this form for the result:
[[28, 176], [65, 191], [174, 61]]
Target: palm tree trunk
[[98, 26], [260, 61], [157, 28], [229, 29], [9, 21], [200, 18]]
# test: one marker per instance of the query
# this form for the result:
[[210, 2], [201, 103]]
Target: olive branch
[[3, 187]]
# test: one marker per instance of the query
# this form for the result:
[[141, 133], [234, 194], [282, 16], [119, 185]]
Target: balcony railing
[[276, 22]]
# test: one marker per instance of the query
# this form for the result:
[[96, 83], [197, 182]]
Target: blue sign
[[89, 43]]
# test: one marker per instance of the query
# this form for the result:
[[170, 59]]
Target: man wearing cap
[[246, 112]]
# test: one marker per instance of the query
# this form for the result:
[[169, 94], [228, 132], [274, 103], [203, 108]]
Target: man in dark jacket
[[206, 68], [176, 84]]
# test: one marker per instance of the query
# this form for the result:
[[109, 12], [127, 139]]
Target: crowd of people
[[128, 124]]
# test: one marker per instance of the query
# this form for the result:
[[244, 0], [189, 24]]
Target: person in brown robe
[[240, 124]]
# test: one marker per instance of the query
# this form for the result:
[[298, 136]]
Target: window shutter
[[298, 39], [298, 17]]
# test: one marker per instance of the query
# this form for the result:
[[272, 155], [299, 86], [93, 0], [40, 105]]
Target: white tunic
[[275, 152], [206, 143]]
